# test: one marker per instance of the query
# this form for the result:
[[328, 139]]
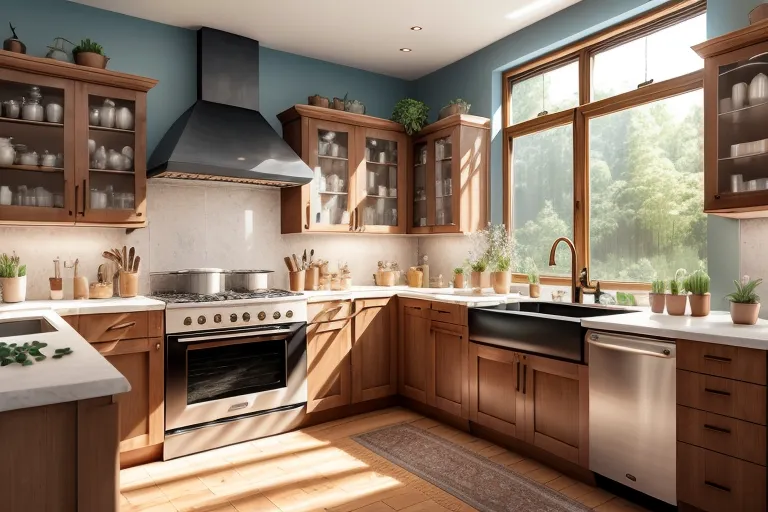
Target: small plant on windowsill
[[745, 303], [698, 284], [534, 280], [676, 299], [657, 297]]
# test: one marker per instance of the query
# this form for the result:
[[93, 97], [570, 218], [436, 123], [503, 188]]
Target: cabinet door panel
[[449, 352], [415, 368], [494, 383], [374, 352], [328, 361]]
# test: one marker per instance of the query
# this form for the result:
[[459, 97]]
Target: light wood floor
[[313, 470]]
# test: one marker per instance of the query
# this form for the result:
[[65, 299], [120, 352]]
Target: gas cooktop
[[185, 298]]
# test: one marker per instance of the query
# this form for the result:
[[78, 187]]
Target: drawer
[[730, 436], [449, 313], [737, 363], [114, 326], [329, 311], [727, 397], [717, 483]]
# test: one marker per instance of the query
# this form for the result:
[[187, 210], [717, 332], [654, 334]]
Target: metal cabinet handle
[[157, 347], [525, 377], [517, 387], [717, 486], [77, 195], [306, 212], [84, 187], [718, 359], [717, 392], [121, 326], [717, 429]]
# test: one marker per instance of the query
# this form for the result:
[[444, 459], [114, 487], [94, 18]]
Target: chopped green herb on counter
[[13, 353]]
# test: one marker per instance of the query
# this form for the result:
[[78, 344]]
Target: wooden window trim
[[583, 51]]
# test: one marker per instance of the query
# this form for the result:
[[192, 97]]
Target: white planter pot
[[14, 288]]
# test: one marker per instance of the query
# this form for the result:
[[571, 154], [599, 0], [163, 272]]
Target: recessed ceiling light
[[241, 158], [416, 27], [405, 50]]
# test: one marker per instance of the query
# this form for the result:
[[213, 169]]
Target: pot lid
[[251, 271]]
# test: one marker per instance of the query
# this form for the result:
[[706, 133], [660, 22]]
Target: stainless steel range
[[236, 367]]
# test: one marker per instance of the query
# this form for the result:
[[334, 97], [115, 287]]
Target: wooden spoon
[[111, 257], [131, 255], [136, 262]]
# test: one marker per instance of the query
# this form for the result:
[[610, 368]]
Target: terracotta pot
[[657, 301], [676, 304], [744, 314], [312, 278], [534, 290], [480, 279], [385, 278], [501, 282], [450, 110], [296, 281], [700, 304], [91, 60], [458, 281], [14, 288], [338, 103], [14, 45], [319, 101], [415, 278]]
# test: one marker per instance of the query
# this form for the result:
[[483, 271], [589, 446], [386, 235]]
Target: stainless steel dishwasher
[[632, 407]]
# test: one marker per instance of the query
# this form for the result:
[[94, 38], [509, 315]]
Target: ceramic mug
[[739, 95], [758, 89]]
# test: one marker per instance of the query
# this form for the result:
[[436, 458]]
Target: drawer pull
[[517, 388], [525, 376], [717, 392], [126, 325], [718, 359], [717, 429], [717, 486]]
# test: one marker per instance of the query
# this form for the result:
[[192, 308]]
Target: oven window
[[233, 370]]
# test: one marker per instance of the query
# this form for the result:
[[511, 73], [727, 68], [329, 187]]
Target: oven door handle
[[224, 337]]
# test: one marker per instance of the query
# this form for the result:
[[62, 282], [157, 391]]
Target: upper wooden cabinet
[[448, 178], [77, 183], [736, 122], [359, 164]]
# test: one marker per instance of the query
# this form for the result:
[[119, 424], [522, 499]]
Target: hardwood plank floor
[[315, 469]]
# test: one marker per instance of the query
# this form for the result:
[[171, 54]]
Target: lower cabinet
[[414, 344], [541, 401], [141, 361], [374, 349], [328, 364], [448, 387]]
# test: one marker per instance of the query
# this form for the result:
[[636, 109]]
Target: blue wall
[[168, 54]]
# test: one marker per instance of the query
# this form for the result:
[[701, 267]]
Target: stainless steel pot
[[205, 280], [248, 280]]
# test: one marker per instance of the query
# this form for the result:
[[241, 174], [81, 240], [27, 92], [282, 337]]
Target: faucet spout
[[575, 288]]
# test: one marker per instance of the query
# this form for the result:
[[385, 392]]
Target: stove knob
[[262, 315], [201, 320], [246, 317], [289, 314], [217, 319], [276, 315], [188, 321], [233, 317]]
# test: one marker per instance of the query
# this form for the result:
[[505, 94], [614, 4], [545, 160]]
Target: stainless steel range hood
[[223, 137]]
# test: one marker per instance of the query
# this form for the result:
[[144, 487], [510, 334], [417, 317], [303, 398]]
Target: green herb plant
[[458, 270], [698, 283], [480, 265], [412, 114], [532, 271], [26, 353], [677, 284], [745, 291], [500, 247], [88, 46], [658, 286], [10, 266]]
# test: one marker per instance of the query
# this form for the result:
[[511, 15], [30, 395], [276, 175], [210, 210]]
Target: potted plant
[[412, 114], [13, 278], [698, 284], [657, 297], [90, 53], [501, 277], [499, 254], [479, 276], [457, 106], [534, 281], [458, 277], [745, 303], [338, 103], [319, 101], [677, 300]]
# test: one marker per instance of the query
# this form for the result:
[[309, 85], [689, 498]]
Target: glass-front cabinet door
[[434, 207], [419, 221], [111, 159], [443, 180], [380, 177], [36, 136], [331, 152]]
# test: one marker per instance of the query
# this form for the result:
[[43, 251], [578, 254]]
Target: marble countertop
[[715, 328], [465, 297], [81, 375], [87, 307]]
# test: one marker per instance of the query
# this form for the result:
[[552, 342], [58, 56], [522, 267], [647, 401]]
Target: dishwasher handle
[[633, 345]]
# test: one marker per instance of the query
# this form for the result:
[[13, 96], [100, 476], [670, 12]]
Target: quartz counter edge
[[88, 307], [434, 294]]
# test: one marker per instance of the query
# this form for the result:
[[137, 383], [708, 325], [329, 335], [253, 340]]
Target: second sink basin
[[547, 328], [22, 327]]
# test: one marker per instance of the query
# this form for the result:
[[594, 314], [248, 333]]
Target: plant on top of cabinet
[[698, 284], [13, 278], [676, 300], [657, 297], [13, 44], [501, 247], [745, 303], [90, 53], [412, 114], [319, 101], [457, 106]]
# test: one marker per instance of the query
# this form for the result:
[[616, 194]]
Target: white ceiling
[[359, 33]]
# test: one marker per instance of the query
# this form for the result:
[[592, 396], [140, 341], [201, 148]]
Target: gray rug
[[474, 479]]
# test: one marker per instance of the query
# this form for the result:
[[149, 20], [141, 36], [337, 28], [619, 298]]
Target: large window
[[605, 143]]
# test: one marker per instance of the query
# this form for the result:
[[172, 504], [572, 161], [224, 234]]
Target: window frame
[[583, 52]]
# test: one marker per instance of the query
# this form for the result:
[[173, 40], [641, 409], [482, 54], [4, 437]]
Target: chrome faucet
[[579, 283]]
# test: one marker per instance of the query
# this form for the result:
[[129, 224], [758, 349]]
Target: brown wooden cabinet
[[75, 186], [448, 176], [328, 364], [360, 167], [735, 127], [414, 345], [374, 350], [448, 387], [494, 389]]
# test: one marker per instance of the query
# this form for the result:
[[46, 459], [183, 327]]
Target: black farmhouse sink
[[550, 329]]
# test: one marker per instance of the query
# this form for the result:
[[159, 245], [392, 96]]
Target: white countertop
[[487, 298], [81, 375], [87, 307], [715, 328]]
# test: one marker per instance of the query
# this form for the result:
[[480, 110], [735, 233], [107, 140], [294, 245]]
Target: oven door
[[214, 375]]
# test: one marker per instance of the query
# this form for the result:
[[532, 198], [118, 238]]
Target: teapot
[[31, 109], [11, 109]]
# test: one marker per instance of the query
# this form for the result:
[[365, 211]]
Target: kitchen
[[368, 348]]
